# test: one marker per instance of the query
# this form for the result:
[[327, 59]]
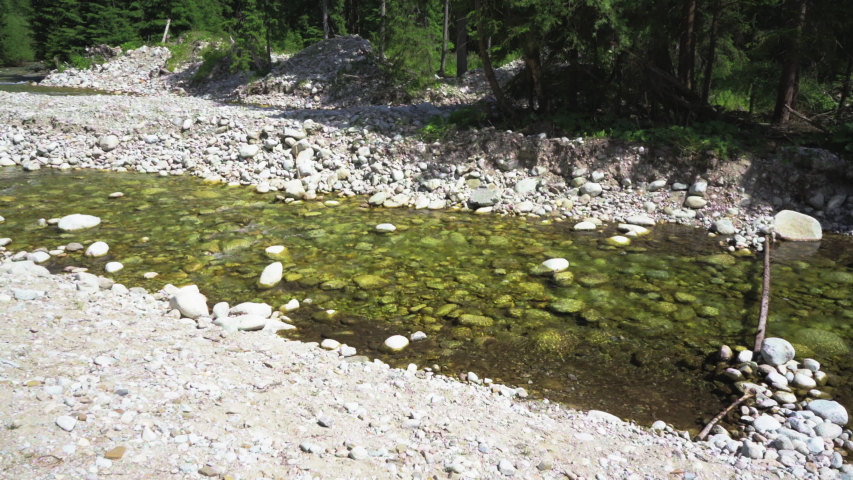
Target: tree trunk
[[687, 44], [269, 48], [788, 81], [574, 71], [444, 37], [845, 89], [166, 31], [503, 103], [325, 19], [382, 31], [461, 44], [752, 97], [534, 64], [712, 54]]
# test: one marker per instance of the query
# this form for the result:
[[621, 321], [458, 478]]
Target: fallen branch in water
[[705, 431], [765, 299]]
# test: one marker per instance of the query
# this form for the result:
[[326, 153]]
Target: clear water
[[16, 80], [631, 333]]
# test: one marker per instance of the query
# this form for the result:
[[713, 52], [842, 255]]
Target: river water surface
[[630, 333]]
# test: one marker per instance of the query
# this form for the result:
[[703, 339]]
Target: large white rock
[[250, 308], [795, 226], [108, 142], [396, 343], [251, 322], [113, 267], [585, 226], [385, 228], [220, 310], [777, 351], [556, 264], [248, 151], [77, 221], [97, 249], [38, 257], [276, 252], [642, 220], [829, 410], [271, 276], [190, 302]]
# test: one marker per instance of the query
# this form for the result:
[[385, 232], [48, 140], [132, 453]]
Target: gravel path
[[110, 384]]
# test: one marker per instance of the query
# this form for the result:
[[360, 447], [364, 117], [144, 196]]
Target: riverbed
[[630, 333]]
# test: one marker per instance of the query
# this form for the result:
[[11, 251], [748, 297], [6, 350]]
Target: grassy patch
[[182, 50], [84, 63], [439, 126]]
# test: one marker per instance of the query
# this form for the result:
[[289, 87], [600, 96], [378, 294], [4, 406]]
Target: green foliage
[[15, 44], [439, 127], [211, 58], [411, 53], [83, 63], [182, 50], [131, 45]]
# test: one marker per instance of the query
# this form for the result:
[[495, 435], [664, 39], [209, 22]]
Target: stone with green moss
[[838, 277], [443, 310], [590, 280], [475, 320], [554, 342], [708, 311], [718, 260], [664, 307], [564, 279], [566, 305], [822, 342], [369, 282]]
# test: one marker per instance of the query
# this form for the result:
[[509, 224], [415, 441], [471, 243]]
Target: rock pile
[[134, 71], [311, 78], [794, 420]]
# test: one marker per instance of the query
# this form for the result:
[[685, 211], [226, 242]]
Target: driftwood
[[705, 431], [765, 299], [808, 120]]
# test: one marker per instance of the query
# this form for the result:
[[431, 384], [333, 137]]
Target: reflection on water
[[628, 331]]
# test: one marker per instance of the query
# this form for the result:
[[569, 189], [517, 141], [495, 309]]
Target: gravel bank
[[109, 383]]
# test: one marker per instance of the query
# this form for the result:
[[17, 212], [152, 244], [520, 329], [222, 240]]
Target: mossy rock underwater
[[821, 342]]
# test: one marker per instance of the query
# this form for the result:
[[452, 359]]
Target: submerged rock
[[795, 226], [97, 249], [369, 282], [271, 276], [822, 341]]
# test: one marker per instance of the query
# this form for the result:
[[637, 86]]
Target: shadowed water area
[[15, 80], [630, 330]]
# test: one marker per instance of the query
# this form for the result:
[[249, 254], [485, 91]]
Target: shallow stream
[[16, 80], [630, 333]]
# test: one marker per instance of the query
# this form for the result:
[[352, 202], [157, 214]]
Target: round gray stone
[[777, 351]]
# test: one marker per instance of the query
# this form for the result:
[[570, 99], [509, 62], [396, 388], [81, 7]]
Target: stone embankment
[[98, 381]]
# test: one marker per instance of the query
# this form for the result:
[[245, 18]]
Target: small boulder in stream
[[798, 227]]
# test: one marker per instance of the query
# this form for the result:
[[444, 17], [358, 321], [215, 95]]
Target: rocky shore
[[98, 381]]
